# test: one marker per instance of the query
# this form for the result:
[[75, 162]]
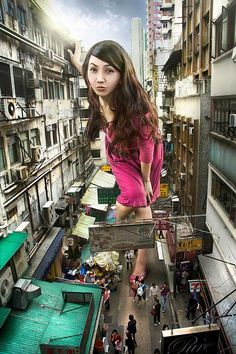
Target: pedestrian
[[106, 298], [165, 327], [116, 341], [129, 342], [132, 327], [153, 292], [157, 351], [156, 312], [192, 307], [164, 293], [121, 108], [134, 287], [142, 292], [129, 259]]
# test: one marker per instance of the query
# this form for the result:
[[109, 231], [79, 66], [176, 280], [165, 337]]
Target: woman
[[153, 292], [106, 298], [116, 341], [134, 286], [122, 109]]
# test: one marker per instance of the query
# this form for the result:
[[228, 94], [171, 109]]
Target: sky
[[95, 20]]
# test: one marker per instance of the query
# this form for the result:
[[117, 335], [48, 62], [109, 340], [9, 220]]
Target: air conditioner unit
[[25, 227], [232, 120], [23, 293], [49, 213], [36, 153], [20, 261], [6, 285], [21, 173], [49, 54], [35, 83], [7, 108]]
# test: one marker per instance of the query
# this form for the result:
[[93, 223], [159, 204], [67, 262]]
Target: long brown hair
[[129, 100]]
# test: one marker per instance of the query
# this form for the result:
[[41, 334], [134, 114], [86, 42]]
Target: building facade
[[43, 149]]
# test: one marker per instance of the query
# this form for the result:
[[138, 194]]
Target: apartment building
[[219, 269], [43, 149]]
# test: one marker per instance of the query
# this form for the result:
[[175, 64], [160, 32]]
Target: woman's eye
[[92, 70], [110, 70]]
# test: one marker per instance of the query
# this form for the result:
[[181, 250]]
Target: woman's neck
[[106, 110]]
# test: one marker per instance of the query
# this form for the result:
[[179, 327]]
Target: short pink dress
[[127, 170]]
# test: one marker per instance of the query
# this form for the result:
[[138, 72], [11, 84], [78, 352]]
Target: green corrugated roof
[[4, 312], [9, 245], [46, 320]]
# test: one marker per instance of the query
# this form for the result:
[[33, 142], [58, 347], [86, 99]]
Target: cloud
[[92, 26]]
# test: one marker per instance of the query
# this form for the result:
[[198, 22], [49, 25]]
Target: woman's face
[[102, 77]]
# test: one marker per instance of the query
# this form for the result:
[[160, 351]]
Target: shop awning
[[81, 229], [9, 246], [103, 179], [100, 180], [173, 60], [220, 284], [46, 253], [91, 198], [4, 312]]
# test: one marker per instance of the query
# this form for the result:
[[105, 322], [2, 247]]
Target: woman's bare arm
[[75, 57]]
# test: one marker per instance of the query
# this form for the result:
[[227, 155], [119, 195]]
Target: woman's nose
[[100, 78]]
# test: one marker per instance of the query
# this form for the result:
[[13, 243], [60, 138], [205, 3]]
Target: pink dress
[[127, 170]]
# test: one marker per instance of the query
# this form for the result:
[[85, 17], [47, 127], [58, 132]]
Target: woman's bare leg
[[141, 261], [140, 214]]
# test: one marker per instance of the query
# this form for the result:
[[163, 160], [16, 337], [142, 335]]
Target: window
[[225, 196], [96, 154], [222, 108], [54, 134], [164, 24], [24, 144], [1, 13], [48, 135], [65, 131], [5, 80], [10, 8], [13, 148], [71, 127], [2, 156], [56, 90], [226, 30], [62, 93], [22, 20], [45, 89], [34, 137], [51, 90], [19, 82]]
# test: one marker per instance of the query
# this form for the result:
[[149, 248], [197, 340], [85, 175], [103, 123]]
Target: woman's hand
[[75, 57], [148, 190]]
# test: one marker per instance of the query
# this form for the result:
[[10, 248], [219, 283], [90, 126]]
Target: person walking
[[132, 327], [153, 292], [142, 292], [192, 307], [134, 287], [122, 109], [164, 293], [106, 298], [129, 259], [129, 342], [157, 312], [116, 341]]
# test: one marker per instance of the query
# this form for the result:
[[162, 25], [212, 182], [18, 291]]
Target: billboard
[[199, 339], [121, 236]]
